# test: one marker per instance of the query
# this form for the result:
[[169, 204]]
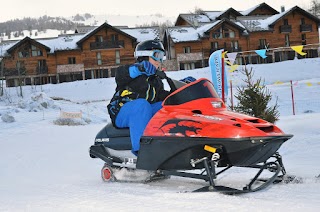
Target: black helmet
[[146, 48]]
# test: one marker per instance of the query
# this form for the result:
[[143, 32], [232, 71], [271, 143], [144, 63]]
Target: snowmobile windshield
[[199, 89]]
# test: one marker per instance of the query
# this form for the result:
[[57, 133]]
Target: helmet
[[150, 48]]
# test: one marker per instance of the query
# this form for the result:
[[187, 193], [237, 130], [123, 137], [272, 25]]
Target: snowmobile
[[194, 131]]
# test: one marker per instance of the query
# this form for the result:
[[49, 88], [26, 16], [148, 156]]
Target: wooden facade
[[100, 51], [291, 28], [96, 55]]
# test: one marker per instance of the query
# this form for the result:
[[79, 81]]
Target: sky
[[36, 8], [46, 167]]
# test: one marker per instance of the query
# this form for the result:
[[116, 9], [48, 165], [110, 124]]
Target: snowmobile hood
[[195, 110]]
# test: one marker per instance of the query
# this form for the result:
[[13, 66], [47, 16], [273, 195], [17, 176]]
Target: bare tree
[[315, 8]]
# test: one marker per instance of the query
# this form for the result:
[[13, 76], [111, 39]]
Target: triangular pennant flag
[[228, 63], [223, 55], [233, 68], [278, 83], [298, 49], [232, 57], [296, 83], [261, 53]]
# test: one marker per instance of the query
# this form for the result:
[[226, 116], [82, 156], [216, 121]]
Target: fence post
[[231, 95], [292, 98]]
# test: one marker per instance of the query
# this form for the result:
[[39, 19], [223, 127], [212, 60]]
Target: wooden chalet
[[195, 36], [94, 54], [98, 51]]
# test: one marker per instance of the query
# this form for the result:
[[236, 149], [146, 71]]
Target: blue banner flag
[[215, 64]]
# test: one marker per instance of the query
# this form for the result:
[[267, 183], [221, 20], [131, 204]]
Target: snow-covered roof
[[189, 33], [213, 14], [261, 23], [195, 18], [143, 33], [67, 42], [248, 11], [183, 34], [4, 46]]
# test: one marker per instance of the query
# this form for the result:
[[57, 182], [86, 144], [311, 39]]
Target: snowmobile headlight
[[216, 104]]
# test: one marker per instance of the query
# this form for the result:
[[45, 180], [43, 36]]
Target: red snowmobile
[[195, 131]]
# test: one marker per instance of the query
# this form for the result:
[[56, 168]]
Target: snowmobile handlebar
[[163, 75]]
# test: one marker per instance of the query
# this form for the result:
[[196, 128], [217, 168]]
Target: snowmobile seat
[[113, 132]]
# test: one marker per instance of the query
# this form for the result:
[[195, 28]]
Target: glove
[[188, 79], [145, 67]]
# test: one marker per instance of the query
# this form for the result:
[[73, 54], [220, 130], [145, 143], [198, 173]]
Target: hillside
[[47, 26]]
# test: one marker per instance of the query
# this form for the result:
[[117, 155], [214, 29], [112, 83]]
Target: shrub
[[254, 99]]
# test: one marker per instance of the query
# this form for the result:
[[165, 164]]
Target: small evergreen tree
[[254, 99]]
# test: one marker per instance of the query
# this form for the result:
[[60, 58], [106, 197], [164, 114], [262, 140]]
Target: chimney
[[282, 9]]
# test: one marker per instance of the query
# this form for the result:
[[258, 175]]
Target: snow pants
[[136, 115]]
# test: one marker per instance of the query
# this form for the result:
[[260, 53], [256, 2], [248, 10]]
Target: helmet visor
[[157, 55]]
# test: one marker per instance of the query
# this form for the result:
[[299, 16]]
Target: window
[[226, 33], [188, 66], [42, 63], [303, 21], [117, 57], [187, 49], [114, 37], [262, 43], [99, 59], [99, 38], [234, 45], [217, 34], [214, 45], [287, 40], [20, 65], [35, 51], [285, 22], [303, 39], [24, 52], [71, 60], [232, 33]]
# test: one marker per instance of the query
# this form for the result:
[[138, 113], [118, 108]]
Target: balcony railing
[[107, 45], [285, 28], [230, 49], [14, 72], [305, 28]]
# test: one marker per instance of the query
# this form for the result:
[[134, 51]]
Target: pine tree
[[253, 100]]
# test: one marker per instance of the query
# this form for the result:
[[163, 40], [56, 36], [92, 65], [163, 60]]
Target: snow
[[46, 167]]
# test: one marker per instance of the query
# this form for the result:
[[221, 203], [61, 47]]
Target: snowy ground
[[46, 167]]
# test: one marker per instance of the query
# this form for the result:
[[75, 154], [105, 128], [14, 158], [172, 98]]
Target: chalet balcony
[[285, 29], [305, 28], [70, 68], [14, 72], [107, 45], [42, 70]]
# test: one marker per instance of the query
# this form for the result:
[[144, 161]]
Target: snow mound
[[7, 118], [71, 121], [38, 101]]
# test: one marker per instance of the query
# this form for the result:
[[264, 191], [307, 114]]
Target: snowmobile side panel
[[176, 153]]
